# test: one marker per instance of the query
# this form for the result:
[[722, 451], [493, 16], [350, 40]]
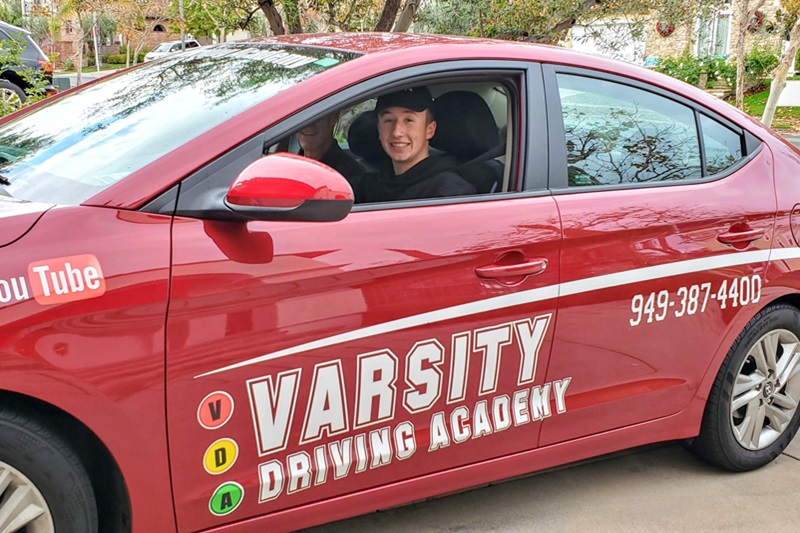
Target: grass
[[104, 66], [786, 118]]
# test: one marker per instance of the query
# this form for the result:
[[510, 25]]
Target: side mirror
[[285, 186]]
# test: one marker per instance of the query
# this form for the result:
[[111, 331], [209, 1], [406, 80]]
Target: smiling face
[[404, 135], [317, 137]]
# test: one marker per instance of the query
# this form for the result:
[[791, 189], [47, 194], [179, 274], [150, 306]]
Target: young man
[[317, 142], [405, 126]]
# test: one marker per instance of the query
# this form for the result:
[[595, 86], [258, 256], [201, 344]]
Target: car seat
[[465, 127], [362, 138]]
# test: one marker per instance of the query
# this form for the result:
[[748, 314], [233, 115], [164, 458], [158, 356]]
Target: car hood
[[17, 217]]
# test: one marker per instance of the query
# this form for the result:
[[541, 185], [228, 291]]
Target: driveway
[[653, 489]]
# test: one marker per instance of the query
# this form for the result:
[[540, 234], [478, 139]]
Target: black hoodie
[[433, 177]]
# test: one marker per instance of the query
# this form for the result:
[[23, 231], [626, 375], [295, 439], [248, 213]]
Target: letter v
[[273, 409]]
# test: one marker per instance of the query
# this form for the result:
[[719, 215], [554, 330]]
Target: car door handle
[[527, 268], [733, 237]]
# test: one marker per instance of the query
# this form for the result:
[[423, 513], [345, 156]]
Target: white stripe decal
[[606, 281]]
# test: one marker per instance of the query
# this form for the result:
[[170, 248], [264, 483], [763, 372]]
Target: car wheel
[[43, 486], [11, 96], [751, 414]]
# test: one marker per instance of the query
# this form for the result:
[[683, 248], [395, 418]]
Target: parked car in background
[[12, 84], [169, 47]]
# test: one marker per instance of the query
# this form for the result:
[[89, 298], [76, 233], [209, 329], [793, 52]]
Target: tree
[[792, 10], [137, 19], [215, 18], [744, 9], [273, 16], [84, 11], [388, 15], [407, 15], [455, 18], [548, 21]]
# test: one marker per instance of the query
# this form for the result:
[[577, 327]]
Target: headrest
[[362, 137], [465, 126]]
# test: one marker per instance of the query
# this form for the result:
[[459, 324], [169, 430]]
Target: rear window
[[78, 145]]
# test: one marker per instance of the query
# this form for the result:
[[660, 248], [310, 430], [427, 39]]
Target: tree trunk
[[389, 13], [779, 76], [407, 15], [138, 50], [273, 17], [81, 39], [744, 8]]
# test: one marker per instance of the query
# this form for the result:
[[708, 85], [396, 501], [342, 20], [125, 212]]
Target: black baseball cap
[[414, 98]]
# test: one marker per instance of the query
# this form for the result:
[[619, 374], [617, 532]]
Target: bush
[[119, 59], [758, 64], [688, 69]]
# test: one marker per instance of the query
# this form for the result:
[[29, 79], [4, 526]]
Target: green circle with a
[[226, 498]]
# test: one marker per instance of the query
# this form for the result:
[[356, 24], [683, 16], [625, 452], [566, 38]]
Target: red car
[[201, 330]]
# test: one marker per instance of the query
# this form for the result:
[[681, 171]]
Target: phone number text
[[694, 299]]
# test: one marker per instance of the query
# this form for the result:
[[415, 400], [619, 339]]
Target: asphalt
[[653, 489], [790, 96]]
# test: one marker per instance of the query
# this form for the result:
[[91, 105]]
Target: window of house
[[618, 134], [713, 34]]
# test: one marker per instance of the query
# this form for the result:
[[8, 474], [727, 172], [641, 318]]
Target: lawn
[[786, 118]]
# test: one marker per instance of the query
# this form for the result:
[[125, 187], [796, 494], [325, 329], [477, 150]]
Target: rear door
[[667, 211], [314, 360]]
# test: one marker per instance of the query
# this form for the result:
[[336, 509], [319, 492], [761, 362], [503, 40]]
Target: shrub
[[688, 69], [119, 59], [758, 64]]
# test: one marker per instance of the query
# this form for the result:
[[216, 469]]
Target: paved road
[[652, 489], [790, 96]]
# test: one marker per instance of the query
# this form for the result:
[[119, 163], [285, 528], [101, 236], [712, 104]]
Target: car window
[[175, 47], [192, 44], [161, 47], [466, 155], [76, 146], [722, 145], [617, 134]]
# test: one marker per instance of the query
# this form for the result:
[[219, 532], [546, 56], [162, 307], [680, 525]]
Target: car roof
[[369, 42], [11, 28]]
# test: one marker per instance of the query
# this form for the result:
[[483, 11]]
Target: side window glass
[[463, 154], [618, 134], [723, 146]]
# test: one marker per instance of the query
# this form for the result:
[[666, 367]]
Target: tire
[[752, 411], [11, 96], [43, 486]]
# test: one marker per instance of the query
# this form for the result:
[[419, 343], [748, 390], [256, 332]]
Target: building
[[712, 35]]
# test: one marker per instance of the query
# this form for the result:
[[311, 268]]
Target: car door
[[308, 361], [667, 211]]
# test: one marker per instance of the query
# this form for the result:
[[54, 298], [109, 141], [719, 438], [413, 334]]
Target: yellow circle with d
[[220, 456]]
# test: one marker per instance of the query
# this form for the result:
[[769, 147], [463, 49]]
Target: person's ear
[[430, 130]]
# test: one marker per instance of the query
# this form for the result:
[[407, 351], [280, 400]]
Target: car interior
[[472, 124]]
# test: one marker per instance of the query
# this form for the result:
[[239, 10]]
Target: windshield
[[78, 145], [163, 47]]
